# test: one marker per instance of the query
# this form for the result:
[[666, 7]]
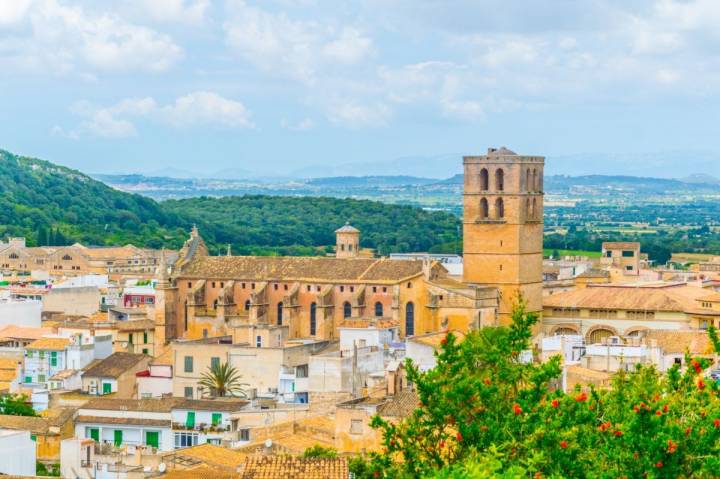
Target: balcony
[[202, 428]]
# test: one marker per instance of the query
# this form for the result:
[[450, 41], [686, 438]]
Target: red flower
[[618, 433], [442, 444], [688, 431], [636, 456], [376, 474], [695, 364], [443, 341], [392, 442], [701, 384], [659, 464], [672, 447], [581, 397], [636, 409], [563, 444], [517, 409], [487, 381], [459, 437], [658, 413], [451, 420], [716, 423], [555, 403]]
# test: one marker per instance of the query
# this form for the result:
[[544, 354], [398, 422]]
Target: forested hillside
[[54, 205]]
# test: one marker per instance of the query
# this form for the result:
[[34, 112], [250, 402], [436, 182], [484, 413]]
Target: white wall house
[[340, 371], [20, 312], [17, 453], [367, 336], [44, 358], [157, 381]]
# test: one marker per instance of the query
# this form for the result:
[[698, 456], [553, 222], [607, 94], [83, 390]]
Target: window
[[185, 439], [309, 288], [384, 289], [188, 364], [301, 371], [41, 377], [356, 426], [213, 284], [499, 179], [222, 284], [67, 257], [499, 208], [190, 419], [484, 179], [145, 337], [347, 309], [130, 338], [258, 341], [285, 287], [342, 289], [275, 286], [342, 247], [410, 319], [188, 392], [484, 209], [409, 285], [528, 177], [53, 358], [146, 351], [628, 254], [378, 309], [214, 362], [152, 438], [247, 305], [313, 319], [216, 418], [189, 285], [280, 313], [678, 361], [244, 434], [42, 354], [252, 285], [117, 437], [628, 268], [14, 256], [352, 289], [29, 353]]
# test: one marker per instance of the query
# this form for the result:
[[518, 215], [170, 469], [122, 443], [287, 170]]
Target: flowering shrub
[[482, 408]]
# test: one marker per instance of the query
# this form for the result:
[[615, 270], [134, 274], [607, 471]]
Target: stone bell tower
[[503, 226], [347, 242]]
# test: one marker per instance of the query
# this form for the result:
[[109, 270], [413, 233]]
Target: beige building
[[115, 375], [599, 311], [622, 256]]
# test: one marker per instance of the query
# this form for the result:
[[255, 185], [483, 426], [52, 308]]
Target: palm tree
[[223, 380]]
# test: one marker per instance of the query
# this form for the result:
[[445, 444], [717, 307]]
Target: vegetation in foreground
[[485, 414]]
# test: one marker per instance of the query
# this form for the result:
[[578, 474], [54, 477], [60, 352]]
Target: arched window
[[67, 257], [14, 256], [534, 180], [565, 332], [247, 305], [313, 319], [347, 309], [378, 309], [484, 179], [279, 313], [484, 209], [540, 181], [499, 208], [528, 180], [215, 303], [499, 179], [409, 319], [534, 209], [528, 212]]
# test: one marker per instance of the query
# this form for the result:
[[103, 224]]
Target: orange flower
[[459, 437], [672, 447], [581, 397], [700, 384], [517, 409], [487, 381], [555, 403], [563, 444]]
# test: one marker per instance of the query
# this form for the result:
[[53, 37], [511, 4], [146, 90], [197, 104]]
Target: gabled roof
[[301, 268], [270, 467], [347, 229], [115, 365]]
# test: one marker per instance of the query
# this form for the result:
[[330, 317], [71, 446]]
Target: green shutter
[[117, 437], [41, 378], [53, 358], [107, 388], [42, 354], [33, 437], [94, 434], [130, 338], [28, 379], [152, 438], [145, 335], [30, 353], [214, 362], [190, 421], [145, 351], [216, 418], [188, 364]]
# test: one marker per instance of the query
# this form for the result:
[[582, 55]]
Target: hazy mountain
[[370, 181], [700, 178]]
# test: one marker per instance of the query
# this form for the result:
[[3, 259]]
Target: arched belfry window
[[499, 208], [499, 179], [279, 313], [528, 180], [534, 209], [484, 179], [247, 305], [528, 211], [534, 181], [378, 309], [347, 309], [484, 209], [67, 257]]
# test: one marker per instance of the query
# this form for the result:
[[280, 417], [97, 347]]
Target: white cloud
[[276, 43], [63, 39], [358, 115], [189, 12], [201, 108], [13, 11]]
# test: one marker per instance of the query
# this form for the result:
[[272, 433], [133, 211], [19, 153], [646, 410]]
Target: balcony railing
[[204, 428]]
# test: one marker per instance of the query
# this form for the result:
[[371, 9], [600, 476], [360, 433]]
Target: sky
[[314, 87]]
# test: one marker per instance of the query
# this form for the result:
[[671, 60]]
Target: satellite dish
[[162, 467], [268, 443]]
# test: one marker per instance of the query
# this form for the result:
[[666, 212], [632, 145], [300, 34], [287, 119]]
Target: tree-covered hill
[[54, 205]]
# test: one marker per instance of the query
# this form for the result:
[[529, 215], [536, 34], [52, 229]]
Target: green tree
[[485, 412], [16, 405], [223, 380], [318, 451]]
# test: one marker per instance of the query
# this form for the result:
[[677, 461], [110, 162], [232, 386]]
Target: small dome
[[347, 229], [502, 151]]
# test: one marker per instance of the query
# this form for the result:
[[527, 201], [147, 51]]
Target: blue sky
[[306, 86]]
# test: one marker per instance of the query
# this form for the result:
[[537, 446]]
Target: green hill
[[54, 205]]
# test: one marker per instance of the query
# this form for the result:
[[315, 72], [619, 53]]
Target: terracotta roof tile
[[212, 455], [135, 325], [435, 339], [401, 405], [36, 425], [53, 344], [275, 467], [200, 472], [301, 268], [677, 342], [115, 365]]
